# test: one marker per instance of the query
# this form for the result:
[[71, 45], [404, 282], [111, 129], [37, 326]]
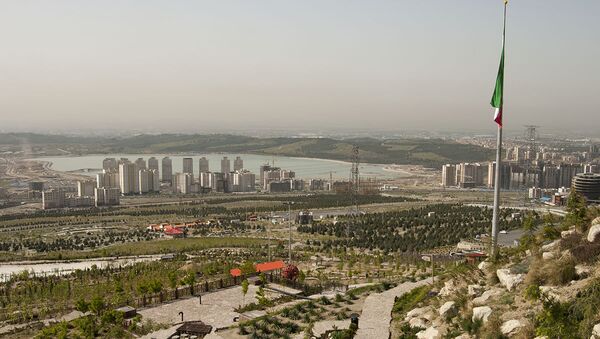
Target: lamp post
[[289, 204]]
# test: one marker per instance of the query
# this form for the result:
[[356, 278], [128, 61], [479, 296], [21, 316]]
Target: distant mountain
[[427, 152]]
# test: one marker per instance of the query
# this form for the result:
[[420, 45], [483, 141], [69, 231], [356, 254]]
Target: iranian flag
[[497, 96]]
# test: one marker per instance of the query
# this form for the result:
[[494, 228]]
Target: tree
[[244, 291], [173, 282], [97, 305], [82, 306], [190, 280], [577, 210]]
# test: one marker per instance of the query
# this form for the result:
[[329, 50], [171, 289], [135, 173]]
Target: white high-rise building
[[144, 177], [153, 164], [204, 165], [449, 175], [225, 165], [243, 181], [110, 164], [108, 178], [167, 169], [204, 179], [85, 188], [183, 183], [238, 164], [140, 163], [188, 165], [105, 196], [128, 178]]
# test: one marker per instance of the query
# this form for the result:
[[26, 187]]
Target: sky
[[217, 65]]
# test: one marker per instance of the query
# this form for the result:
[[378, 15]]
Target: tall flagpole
[[498, 157]]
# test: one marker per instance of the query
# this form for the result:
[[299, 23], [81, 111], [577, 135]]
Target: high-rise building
[[188, 165], [238, 164], [183, 183], [140, 163], [504, 175], [54, 198], [316, 184], [128, 178], [204, 179], [153, 164], [243, 181], [203, 164], [36, 186], [108, 178], [85, 188], [469, 175], [566, 172], [588, 184], [106, 196], [144, 177], [225, 165], [448, 175], [591, 168], [110, 164], [167, 170]]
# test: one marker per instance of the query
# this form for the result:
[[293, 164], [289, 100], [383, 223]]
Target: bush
[[409, 300]]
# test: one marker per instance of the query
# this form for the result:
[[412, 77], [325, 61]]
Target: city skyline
[[393, 65]]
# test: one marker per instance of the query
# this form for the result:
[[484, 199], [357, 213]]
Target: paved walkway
[[377, 311]]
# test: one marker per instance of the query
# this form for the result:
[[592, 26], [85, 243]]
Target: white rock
[[510, 327], [483, 299], [482, 313], [565, 234], [596, 329], [541, 337], [429, 333], [464, 336], [417, 312], [596, 221], [548, 255], [474, 290], [417, 322], [551, 246], [551, 292], [448, 309], [583, 271], [509, 280], [448, 289], [484, 266], [593, 233]]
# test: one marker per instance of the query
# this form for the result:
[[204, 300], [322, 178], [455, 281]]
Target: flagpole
[[498, 171]]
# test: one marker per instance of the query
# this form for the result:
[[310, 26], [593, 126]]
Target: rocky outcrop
[[548, 255], [448, 309], [484, 266], [551, 292], [429, 333], [565, 234], [449, 289], [416, 313], [474, 290], [583, 271], [594, 233], [596, 329], [486, 296], [510, 327], [418, 322], [553, 246], [509, 280], [482, 313]]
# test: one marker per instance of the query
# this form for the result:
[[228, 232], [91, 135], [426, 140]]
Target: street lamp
[[289, 204]]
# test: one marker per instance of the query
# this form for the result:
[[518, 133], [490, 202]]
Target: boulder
[[429, 333], [583, 271], [596, 221], [510, 327], [482, 313], [448, 309], [484, 266], [449, 289], [565, 234], [415, 313], [486, 296], [464, 336], [548, 255], [417, 322], [551, 246], [593, 233], [509, 280], [474, 290], [541, 337], [596, 329]]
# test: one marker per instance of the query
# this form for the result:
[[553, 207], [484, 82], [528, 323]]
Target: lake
[[305, 168]]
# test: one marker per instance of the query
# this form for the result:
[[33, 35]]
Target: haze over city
[[200, 65]]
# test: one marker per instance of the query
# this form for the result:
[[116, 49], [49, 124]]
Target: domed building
[[588, 184]]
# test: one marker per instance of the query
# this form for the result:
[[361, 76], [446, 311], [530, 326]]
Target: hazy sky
[[234, 64]]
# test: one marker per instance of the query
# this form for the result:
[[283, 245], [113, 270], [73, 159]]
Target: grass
[[409, 300]]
